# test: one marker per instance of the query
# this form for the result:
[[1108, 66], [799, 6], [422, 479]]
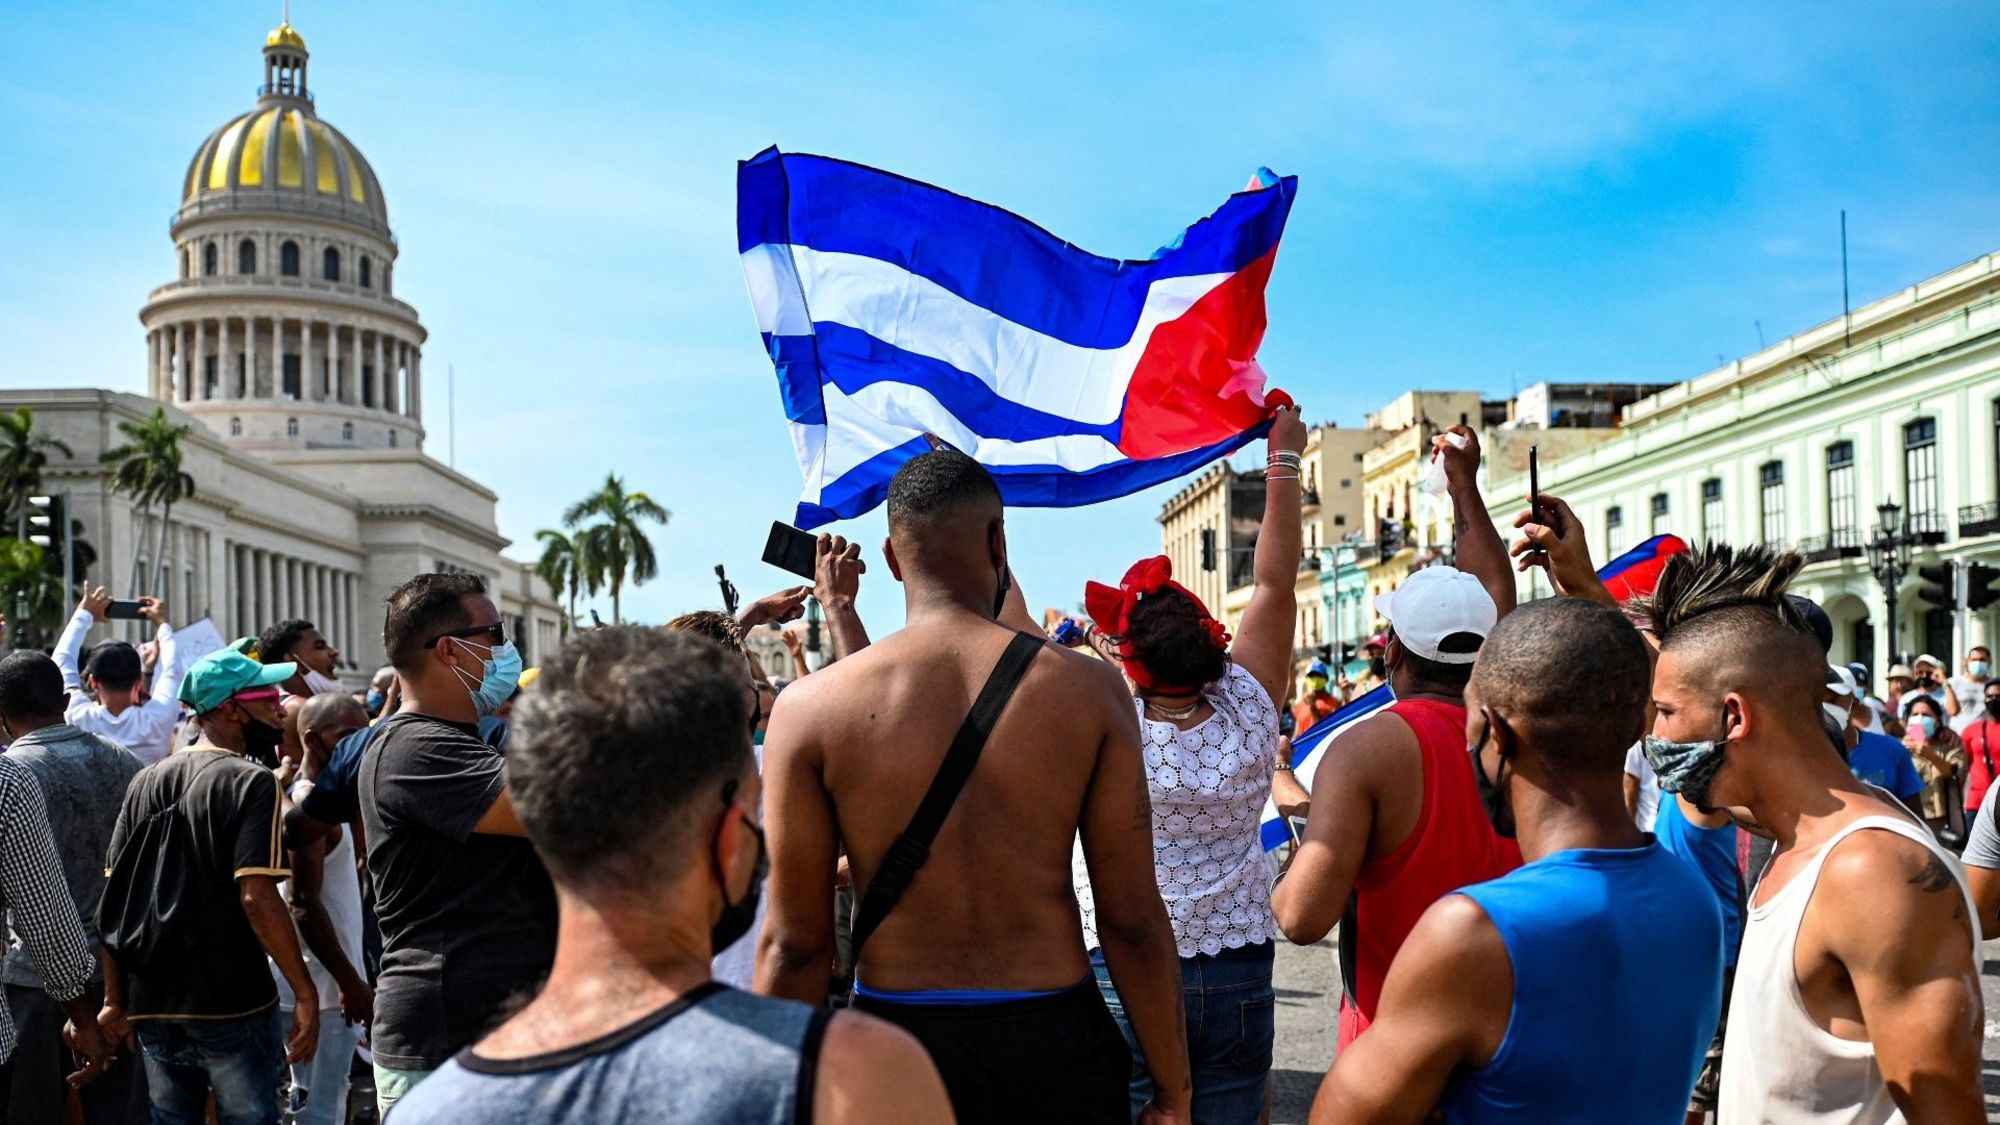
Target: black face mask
[[1993, 707], [261, 741], [1491, 797], [737, 917], [1000, 596], [1379, 668]]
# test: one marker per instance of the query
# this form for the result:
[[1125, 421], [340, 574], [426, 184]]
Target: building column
[[310, 387], [337, 598], [255, 620], [180, 358], [392, 383], [322, 598], [350, 392], [153, 364], [348, 617], [250, 358], [416, 383], [198, 362]]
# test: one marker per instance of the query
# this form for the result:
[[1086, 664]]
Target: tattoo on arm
[[1934, 877]]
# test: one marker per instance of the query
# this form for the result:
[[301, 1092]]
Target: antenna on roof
[[1846, 310], [451, 414]]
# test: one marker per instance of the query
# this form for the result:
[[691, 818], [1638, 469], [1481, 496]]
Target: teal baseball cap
[[226, 672]]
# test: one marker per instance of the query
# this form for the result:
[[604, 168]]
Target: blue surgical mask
[[503, 675], [1687, 768], [1926, 724], [1980, 669], [375, 701]]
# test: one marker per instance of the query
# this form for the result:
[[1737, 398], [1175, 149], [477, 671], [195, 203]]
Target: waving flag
[[1630, 575], [894, 310]]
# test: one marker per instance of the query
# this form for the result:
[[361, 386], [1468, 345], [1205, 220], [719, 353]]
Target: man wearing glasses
[[467, 913]]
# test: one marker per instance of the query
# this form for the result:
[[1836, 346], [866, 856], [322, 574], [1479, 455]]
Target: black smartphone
[[788, 548], [596, 622], [123, 611]]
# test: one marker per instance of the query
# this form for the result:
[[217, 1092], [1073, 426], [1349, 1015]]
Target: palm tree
[[617, 545], [24, 453], [558, 568], [148, 468]]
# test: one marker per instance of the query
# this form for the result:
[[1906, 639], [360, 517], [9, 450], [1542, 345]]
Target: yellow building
[[1404, 523]]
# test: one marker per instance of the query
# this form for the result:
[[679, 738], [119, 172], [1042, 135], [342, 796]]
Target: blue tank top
[[715, 1056], [1712, 851], [1617, 959]]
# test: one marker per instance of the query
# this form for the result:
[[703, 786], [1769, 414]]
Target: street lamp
[[1889, 559]]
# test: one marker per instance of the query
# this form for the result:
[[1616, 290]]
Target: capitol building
[[281, 336]]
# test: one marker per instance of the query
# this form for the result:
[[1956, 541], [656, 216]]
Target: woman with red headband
[[1208, 715]]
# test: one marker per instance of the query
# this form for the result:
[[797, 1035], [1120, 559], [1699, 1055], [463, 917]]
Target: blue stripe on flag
[[796, 359], [852, 359], [1039, 281]]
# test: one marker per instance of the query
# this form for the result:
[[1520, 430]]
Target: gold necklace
[[1174, 714]]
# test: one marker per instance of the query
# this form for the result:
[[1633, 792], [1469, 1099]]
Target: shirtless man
[[989, 917], [1857, 992]]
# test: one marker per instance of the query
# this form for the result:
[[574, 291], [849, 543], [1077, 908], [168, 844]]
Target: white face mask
[[1838, 713]]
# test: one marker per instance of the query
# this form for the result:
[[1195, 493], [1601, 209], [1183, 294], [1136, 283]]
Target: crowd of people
[[972, 871]]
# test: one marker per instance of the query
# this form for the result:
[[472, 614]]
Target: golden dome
[[287, 152], [284, 35]]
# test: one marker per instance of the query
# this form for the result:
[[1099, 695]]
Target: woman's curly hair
[[1169, 634]]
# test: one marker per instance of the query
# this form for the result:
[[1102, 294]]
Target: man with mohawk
[[1857, 993]]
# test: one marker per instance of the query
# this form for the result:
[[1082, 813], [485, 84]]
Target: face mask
[[375, 701], [503, 675], [737, 917], [1000, 595], [1980, 669], [1378, 668], [1837, 713], [1926, 724], [1687, 768], [1993, 708], [1491, 797], [261, 741]]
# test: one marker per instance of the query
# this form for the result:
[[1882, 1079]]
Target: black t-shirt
[[232, 806], [468, 919]]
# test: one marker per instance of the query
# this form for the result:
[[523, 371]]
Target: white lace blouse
[[1209, 784]]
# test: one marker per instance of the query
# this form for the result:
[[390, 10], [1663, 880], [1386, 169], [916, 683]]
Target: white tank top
[[1778, 1066]]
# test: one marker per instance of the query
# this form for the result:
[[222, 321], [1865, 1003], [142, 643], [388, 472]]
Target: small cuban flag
[[895, 311], [1630, 575]]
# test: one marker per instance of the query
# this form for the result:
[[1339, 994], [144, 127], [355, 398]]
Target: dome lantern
[[285, 64]]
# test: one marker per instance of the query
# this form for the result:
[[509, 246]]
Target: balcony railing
[[1309, 499], [1929, 527], [1979, 519], [1841, 543]]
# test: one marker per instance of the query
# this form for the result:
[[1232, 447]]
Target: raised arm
[[165, 697], [1445, 1004], [837, 571], [1132, 925], [1263, 644], [1559, 547], [795, 949], [1481, 553], [70, 645]]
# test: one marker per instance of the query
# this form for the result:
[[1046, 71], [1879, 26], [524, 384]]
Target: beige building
[[1405, 523], [279, 335], [1798, 444]]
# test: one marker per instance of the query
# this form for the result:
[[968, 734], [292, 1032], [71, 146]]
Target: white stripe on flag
[[917, 411]]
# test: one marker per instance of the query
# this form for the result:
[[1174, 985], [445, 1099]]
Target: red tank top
[[1453, 845], [1979, 739]]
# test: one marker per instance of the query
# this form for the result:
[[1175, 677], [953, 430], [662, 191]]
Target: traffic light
[[1979, 582], [49, 528], [1938, 585], [1208, 548]]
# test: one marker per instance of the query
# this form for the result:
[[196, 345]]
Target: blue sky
[[1488, 197]]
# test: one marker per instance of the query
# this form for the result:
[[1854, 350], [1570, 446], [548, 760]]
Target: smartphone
[[788, 548], [1297, 826], [1535, 484], [123, 611], [596, 622]]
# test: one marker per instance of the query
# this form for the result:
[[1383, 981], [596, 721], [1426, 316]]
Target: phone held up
[[790, 549], [123, 611], [1535, 511]]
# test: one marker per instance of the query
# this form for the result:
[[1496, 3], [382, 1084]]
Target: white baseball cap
[[1840, 680], [1927, 658], [1434, 603]]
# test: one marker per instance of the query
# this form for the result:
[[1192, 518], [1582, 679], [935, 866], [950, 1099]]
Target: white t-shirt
[[340, 893], [1971, 695], [1637, 766], [1209, 785], [146, 730]]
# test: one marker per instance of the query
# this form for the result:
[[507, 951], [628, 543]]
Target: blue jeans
[[240, 1060], [1231, 1023], [319, 1085]]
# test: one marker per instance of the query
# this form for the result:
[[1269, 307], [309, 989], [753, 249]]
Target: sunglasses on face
[[495, 634]]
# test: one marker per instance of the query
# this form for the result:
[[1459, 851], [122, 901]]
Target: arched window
[[291, 427], [364, 271], [347, 431], [246, 257], [288, 259], [208, 264], [236, 427], [330, 264]]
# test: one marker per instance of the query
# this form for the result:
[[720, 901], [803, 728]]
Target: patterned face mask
[[1687, 768]]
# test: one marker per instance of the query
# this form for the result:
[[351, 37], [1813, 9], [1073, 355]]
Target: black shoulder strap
[[913, 847]]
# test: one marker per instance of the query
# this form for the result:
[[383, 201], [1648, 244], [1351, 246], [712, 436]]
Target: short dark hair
[[714, 624], [422, 608], [936, 484], [1448, 676], [1168, 634], [1725, 607], [623, 746], [1527, 669], [31, 684], [115, 666], [275, 645], [1980, 648]]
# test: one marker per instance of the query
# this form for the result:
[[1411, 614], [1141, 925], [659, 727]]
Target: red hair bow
[[1110, 608]]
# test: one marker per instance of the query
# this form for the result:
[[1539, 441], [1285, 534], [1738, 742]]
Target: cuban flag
[[896, 312], [1630, 575]]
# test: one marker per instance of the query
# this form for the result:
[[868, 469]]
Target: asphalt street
[[1307, 981]]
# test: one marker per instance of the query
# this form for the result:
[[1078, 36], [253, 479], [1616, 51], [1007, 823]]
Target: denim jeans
[[319, 1085], [239, 1059], [1231, 1023]]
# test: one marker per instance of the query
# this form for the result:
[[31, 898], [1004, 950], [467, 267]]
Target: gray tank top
[[716, 1056]]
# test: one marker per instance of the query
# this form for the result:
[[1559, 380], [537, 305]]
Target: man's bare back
[[852, 750]]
